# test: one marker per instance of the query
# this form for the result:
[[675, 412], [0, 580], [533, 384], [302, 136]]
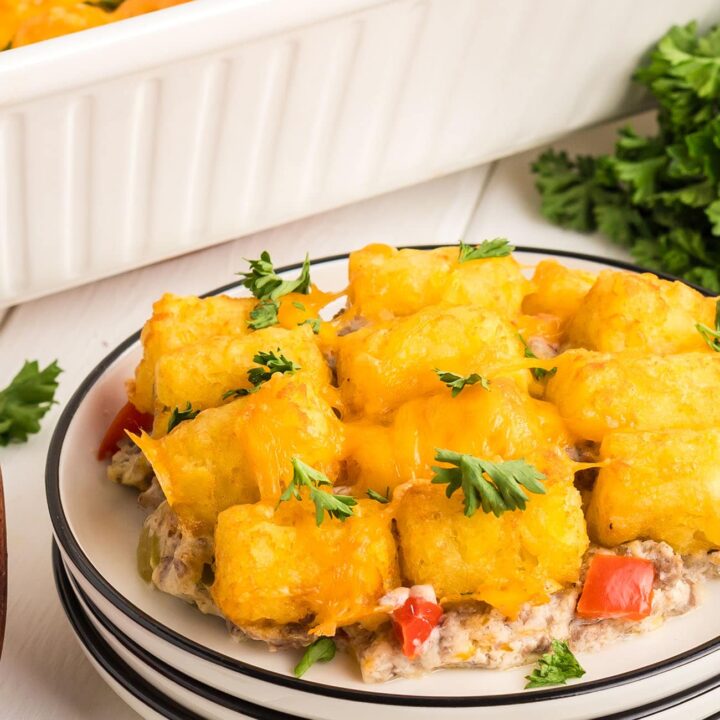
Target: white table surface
[[43, 673]]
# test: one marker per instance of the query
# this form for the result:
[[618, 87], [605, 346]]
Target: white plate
[[130, 661], [97, 524]]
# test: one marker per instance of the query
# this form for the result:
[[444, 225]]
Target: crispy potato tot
[[520, 557], [503, 421], [385, 281], [381, 366], [278, 567], [628, 312], [598, 393], [178, 321], [558, 290], [659, 485], [202, 372], [241, 452]]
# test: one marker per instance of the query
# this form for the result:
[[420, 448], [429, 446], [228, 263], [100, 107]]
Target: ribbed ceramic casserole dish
[[140, 140]]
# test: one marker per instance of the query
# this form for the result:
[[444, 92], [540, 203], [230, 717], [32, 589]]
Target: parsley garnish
[[264, 314], [382, 499], [177, 416], [711, 337], [457, 382], [268, 365], [537, 373], [499, 247], [495, 487], [298, 305], [555, 668], [25, 401], [265, 284], [658, 195], [322, 650], [314, 323], [336, 506]]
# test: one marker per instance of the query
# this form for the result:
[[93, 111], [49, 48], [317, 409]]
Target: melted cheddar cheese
[[607, 368]]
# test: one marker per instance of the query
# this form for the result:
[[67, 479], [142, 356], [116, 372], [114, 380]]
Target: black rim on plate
[[70, 545], [120, 671], [78, 611]]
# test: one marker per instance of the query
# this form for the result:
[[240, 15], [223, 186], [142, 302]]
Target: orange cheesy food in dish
[[23, 22], [463, 467]]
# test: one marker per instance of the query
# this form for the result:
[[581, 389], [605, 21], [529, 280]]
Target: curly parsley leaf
[[336, 506], [263, 315], [382, 499], [268, 364], [538, 373], [322, 650], [265, 284], [710, 336], [178, 416], [555, 668], [499, 247], [457, 382], [494, 487], [26, 400], [653, 194]]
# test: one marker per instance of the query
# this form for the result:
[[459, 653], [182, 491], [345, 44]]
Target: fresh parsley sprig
[[538, 373], [499, 247], [26, 400], [555, 667], [457, 382], [322, 650], [268, 364], [178, 416], [336, 506], [494, 487], [382, 499], [710, 336], [264, 314], [265, 284]]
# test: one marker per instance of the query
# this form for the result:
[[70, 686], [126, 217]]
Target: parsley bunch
[[658, 196], [494, 487], [24, 402]]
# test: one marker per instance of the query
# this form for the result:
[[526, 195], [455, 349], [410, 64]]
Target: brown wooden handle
[[3, 565]]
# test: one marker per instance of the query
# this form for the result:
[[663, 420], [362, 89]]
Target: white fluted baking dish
[[130, 143]]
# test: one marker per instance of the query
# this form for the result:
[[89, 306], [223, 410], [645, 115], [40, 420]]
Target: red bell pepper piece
[[128, 418], [414, 621], [617, 587]]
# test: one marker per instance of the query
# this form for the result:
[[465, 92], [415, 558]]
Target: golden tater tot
[[381, 366], [659, 485], [520, 557], [202, 372], [242, 452], [278, 567], [502, 421], [178, 321], [558, 290], [386, 282], [628, 312], [597, 393]]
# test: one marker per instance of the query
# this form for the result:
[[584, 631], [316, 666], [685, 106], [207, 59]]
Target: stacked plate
[[168, 660]]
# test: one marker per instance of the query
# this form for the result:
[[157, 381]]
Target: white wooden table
[[43, 674]]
